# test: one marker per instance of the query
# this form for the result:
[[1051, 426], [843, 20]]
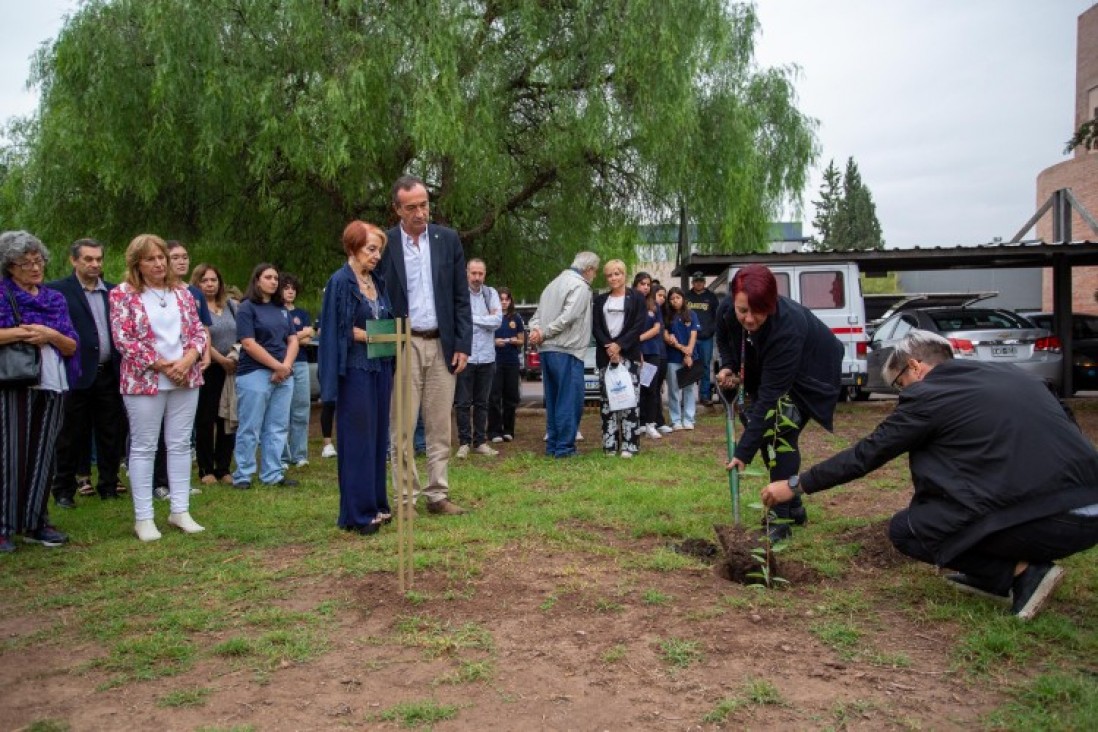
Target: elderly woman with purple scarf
[[30, 416]]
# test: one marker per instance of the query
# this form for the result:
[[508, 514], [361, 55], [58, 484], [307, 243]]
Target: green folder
[[385, 327]]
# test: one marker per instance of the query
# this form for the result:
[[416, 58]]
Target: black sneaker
[[973, 586], [242, 485], [286, 483], [1033, 587], [46, 536], [65, 502], [778, 533]]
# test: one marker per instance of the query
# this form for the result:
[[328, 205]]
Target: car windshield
[[974, 319]]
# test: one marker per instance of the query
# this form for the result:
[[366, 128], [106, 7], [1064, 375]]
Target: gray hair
[[921, 345], [16, 244], [585, 261]]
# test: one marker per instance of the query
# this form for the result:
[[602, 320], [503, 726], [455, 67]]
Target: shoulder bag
[[20, 362]]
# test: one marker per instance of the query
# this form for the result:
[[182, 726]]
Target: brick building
[[1080, 173]]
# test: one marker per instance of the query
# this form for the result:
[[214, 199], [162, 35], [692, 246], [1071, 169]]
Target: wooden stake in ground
[[401, 435]]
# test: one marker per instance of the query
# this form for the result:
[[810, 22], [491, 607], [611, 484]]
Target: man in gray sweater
[[561, 329]]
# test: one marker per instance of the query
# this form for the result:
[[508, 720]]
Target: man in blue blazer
[[93, 404], [423, 266]]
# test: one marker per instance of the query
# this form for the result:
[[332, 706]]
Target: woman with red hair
[[360, 386], [789, 364]]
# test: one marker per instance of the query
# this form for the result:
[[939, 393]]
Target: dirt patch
[[745, 556], [873, 547]]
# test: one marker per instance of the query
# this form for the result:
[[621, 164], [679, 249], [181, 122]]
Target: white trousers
[[175, 410]]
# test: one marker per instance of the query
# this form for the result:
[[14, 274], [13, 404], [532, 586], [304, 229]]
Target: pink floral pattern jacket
[[135, 340]]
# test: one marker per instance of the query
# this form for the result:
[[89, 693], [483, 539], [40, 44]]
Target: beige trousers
[[433, 387]]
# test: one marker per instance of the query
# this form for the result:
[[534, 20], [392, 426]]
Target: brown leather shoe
[[445, 507]]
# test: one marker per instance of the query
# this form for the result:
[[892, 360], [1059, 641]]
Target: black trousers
[[504, 400], [213, 446], [786, 465], [96, 411], [474, 384], [327, 419], [993, 559], [651, 398]]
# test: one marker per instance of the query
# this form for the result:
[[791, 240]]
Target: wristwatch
[[795, 485]]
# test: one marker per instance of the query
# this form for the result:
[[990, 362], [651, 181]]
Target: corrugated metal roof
[[993, 254]]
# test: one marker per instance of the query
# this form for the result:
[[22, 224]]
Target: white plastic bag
[[620, 394]]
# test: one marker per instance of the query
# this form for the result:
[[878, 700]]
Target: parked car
[[986, 334], [591, 391], [1084, 346]]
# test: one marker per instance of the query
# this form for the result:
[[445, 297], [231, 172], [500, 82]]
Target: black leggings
[[327, 419]]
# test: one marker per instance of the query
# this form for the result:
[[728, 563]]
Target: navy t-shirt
[[298, 320], [269, 325], [682, 331], [511, 326]]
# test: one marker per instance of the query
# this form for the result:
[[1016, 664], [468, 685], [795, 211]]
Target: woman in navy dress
[[360, 386]]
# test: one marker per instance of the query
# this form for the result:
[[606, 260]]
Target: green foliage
[[258, 128], [758, 692], [419, 713], [680, 653], [185, 698], [780, 419], [1086, 137], [846, 219], [1056, 701]]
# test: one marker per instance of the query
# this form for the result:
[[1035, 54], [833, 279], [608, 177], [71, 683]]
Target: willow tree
[[541, 126]]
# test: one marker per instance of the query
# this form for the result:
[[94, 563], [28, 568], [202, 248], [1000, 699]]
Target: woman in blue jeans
[[297, 443], [264, 380]]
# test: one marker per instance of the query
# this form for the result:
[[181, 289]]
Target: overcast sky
[[950, 108]]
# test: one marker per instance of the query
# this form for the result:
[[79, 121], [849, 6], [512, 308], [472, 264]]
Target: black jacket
[[84, 324], [451, 286], [989, 447], [792, 353], [636, 314], [705, 305]]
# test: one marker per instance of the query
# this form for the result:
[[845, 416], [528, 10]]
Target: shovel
[[730, 441]]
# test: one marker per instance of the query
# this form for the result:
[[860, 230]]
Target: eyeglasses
[[896, 381], [31, 264]]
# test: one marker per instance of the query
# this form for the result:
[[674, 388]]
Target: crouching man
[[1004, 482]]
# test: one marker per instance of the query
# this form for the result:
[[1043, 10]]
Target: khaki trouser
[[433, 387]]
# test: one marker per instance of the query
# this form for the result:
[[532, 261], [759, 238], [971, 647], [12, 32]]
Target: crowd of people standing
[[156, 367]]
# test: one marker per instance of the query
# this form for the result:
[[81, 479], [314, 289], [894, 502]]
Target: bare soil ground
[[563, 657]]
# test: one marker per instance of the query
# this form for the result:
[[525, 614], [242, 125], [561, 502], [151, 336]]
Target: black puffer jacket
[[792, 353]]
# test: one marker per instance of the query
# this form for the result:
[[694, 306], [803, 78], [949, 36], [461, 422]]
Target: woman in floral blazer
[[154, 321]]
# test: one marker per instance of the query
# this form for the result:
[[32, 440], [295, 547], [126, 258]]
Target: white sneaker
[[626, 454], [497, 439], [676, 427], [664, 429], [146, 530], [463, 452], [329, 451], [546, 438], [185, 523], [579, 436], [688, 426], [302, 463], [508, 438], [651, 431], [196, 491], [485, 449]]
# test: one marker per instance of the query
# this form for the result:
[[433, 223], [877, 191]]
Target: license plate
[[591, 384], [1003, 351]]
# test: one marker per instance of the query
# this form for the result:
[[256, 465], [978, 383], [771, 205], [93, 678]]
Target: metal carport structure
[[1060, 257]]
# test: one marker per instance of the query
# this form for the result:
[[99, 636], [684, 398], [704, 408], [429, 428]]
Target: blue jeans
[[297, 443], [263, 409], [680, 402], [562, 377], [705, 355]]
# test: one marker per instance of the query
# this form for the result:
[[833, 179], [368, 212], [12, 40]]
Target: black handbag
[[20, 363]]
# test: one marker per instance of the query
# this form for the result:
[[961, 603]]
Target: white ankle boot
[[184, 522], [146, 530]]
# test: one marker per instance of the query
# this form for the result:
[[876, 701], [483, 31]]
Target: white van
[[833, 293]]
